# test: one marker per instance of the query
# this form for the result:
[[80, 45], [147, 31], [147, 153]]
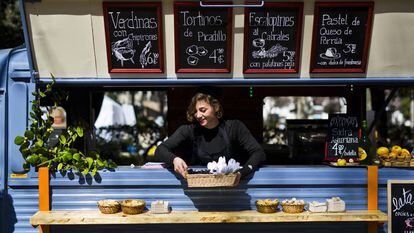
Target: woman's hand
[[180, 166]]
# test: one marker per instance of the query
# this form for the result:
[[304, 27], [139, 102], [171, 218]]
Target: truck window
[[295, 127]]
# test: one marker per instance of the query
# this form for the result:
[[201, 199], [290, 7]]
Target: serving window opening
[[295, 127]]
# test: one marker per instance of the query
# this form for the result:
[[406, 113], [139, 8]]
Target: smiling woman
[[210, 136]]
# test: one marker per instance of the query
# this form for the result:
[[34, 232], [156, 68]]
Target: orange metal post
[[372, 180], [44, 195]]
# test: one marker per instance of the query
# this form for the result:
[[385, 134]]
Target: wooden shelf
[[179, 217]]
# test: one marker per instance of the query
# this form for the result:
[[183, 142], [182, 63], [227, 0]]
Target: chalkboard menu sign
[[272, 38], [342, 139], [202, 38], [341, 36], [400, 206], [133, 37]]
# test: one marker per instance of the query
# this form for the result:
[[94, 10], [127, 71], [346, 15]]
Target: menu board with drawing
[[272, 38], [202, 38], [133, 37], [341, 37], [400, 206], [342, 138]]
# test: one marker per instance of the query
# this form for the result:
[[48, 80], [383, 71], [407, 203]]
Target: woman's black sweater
[[198, 145]]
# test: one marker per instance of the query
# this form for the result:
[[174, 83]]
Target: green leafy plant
[[37, 150]]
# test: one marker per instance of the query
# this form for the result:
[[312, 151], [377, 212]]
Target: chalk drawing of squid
[[124, 50], [143, 55]]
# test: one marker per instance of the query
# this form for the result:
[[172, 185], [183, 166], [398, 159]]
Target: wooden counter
[[95, 217]]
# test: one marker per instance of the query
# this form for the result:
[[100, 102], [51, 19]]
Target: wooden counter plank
[[250, 216]]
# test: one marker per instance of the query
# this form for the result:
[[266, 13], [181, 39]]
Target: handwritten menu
[[342, 139], [272, 38], [400, 206], [133, 37], [341, 36], [202, 38]]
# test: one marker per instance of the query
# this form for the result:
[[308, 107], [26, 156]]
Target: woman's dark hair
[[215, 103]]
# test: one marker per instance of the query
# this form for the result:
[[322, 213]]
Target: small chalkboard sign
[[341, 36], [272, 38], [342, 138], [202, 38], [400, 206], [133, 37]]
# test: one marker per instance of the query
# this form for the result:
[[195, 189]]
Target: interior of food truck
[[290, 123]]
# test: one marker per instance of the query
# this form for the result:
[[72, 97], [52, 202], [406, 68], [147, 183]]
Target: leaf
[[67, 157], [79, 131], [62, 139], [112, 165], [86, 171], [76, 156], [32, 159], [99, 162], [39, 143], [93, 173], [42, 94], [59, 167], [90, 161], [18, 140], [29, 134]]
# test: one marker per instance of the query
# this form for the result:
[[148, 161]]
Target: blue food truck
[[130, 69]]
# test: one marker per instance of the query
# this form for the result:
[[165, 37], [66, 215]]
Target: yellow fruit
[[151, 151], [393, 155], [405, 153], [362, 154], [341, 162], [383, 151], [396, 149]]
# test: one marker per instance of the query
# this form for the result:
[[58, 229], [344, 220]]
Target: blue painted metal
[[167, 82], [4, 55], [22, 204], [220, 228], [386, 174], [19, 89], [307, 182]]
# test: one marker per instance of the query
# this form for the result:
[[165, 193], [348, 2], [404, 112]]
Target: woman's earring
[[219, 115]]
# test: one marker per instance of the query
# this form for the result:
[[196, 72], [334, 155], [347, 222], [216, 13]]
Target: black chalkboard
[[400, 206], [341, 36], [202, 38], [133, 37], [342, 139], [272, 38]]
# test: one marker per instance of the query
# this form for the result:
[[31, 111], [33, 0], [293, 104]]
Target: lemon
[[362, 154], [396, 149], [393, 155], [383, 151], [405, 153], [341, 162], [151, 151]]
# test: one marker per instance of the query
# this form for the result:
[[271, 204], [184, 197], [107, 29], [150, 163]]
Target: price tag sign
[[342, 139], [272, 38], [202, 38], [400, 206], [341, 36], [133, 37]]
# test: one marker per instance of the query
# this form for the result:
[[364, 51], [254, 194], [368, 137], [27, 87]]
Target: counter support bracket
[[372, 189], [44, 195]]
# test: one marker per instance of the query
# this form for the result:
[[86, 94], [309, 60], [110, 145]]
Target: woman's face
[[205, 115]]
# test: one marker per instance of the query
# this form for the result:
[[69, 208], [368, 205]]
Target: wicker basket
[[133, 206], [293, 209], [213, 180], [266, 209], [109, 206]]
